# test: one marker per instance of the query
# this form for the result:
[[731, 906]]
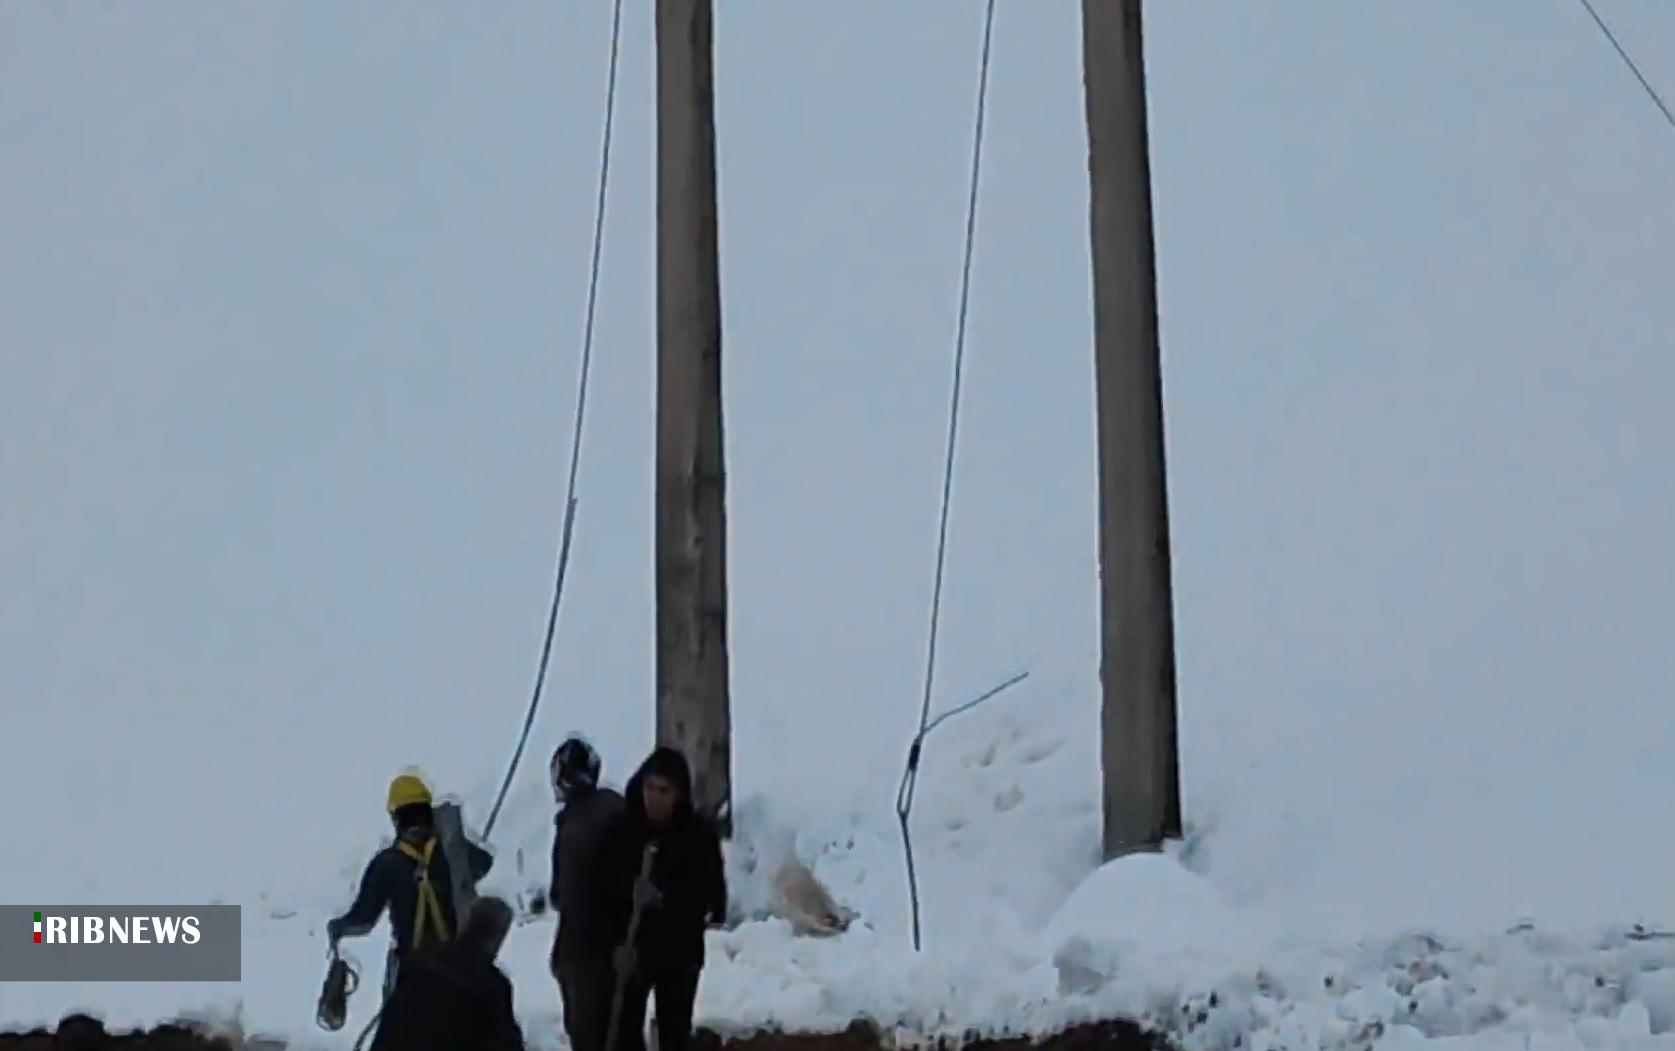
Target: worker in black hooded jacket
[[451, 996], [392, 880], [686, 894], [590, 889]]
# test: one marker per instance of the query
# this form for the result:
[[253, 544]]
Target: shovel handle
[[620, 994]]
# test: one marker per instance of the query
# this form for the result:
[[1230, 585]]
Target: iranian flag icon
[[37, 928]]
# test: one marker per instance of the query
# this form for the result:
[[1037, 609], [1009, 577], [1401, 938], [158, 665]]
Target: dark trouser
[[392, 966], [676, 988], [586, 984]]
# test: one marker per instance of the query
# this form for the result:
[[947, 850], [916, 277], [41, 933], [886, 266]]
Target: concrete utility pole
[[692, 676], [1137, 665]]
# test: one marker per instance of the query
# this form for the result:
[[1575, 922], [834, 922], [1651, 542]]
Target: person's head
[[662, 789], [574, 769], [408, 801], [486, 926], [660, 797]]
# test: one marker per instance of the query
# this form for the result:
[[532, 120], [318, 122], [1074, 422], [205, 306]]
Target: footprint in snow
[[1042, 750]]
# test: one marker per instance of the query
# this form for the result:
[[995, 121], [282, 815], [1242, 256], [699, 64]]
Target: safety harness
[[429, 903]]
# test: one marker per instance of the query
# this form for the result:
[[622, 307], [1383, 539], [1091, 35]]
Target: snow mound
[[1521, 988], [1147, 913], [1146, 899]]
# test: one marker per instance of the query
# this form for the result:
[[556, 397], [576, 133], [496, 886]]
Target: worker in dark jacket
[[452, 997], [410, 878], [686, 894], [590, 890]]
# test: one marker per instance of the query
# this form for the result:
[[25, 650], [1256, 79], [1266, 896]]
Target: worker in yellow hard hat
[[411, 878], [406, 790]]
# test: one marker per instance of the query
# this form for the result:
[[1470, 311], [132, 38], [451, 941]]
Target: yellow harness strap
[[429, 903]]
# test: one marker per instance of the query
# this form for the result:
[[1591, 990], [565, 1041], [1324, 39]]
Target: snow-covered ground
[[1025, 932]]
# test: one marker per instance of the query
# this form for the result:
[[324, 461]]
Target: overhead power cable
[[581, 411], [1629, 62], [904, 798]]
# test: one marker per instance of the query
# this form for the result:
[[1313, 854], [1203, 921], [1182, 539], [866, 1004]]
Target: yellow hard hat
[[406, 789]]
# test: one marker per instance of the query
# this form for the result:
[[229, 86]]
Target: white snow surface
[[1025, 931]]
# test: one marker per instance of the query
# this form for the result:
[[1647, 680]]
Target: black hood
[[671, 765]]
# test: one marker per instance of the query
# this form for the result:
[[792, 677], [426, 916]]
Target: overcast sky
[[290, 307]]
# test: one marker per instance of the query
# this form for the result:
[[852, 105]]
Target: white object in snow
[[802, 900]]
